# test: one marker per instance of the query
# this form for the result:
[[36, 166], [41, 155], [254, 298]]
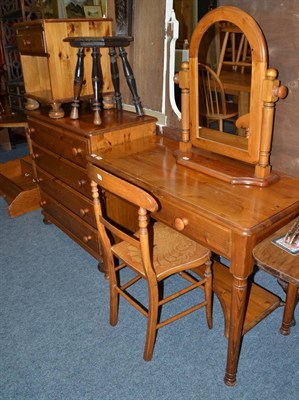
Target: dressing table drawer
[[71, 147], [70, 199], [215, 237], [62, 169], [77, 229]]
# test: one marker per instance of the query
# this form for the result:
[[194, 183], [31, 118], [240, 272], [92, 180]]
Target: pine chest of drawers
[[58, 149]]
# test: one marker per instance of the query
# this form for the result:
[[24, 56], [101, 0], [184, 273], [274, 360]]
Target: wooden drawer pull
[[43, 203], [81, 182], [76, 151], [83, 211], [35, 156], [180, 223], [26, 42], [86, 239]]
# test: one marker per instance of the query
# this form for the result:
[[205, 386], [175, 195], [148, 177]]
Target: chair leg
[[96, 84], [114, 297], [78, 80], [221, 125], [151, 324], [208, 293], [130, 80], [115, 78]]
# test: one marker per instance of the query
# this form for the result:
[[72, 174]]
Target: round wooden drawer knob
[[180, 223], [83, 211], [76, 151], [43, 203], [87, 238], [81, 182]]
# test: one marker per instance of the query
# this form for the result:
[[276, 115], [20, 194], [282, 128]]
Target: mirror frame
[[259, 67]]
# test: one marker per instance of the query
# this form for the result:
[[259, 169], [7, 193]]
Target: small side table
[[285, 267]]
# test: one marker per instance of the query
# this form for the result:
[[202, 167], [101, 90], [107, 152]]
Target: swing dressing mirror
[[228, 46]]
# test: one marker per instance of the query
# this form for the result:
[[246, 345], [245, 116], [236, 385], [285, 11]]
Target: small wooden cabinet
[[59, 148], [49, 64]]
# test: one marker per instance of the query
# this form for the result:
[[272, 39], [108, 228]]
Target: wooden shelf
[[260, 304]]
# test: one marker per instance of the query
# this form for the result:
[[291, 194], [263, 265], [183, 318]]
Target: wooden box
[[17, 186]]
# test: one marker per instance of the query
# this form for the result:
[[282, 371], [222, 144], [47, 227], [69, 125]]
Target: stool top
[[277, 261], [99, 41]]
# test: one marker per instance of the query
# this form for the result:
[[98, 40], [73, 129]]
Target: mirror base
[[223, 168]]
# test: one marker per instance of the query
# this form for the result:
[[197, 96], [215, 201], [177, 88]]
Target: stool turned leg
[[130, 80], [96, 83], [115, 77], [79, 72], [288, 314]]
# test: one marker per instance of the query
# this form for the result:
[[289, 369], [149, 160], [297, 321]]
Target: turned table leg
[[237, 313], [288, 314]]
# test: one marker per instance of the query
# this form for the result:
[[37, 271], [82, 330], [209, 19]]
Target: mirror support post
[[272, 91], [183, 80]]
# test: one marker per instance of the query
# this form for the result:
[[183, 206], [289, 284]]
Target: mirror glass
[[224, 83]]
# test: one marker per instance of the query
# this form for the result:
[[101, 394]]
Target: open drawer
[[17, 186]]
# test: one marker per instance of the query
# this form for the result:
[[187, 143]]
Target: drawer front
[[68, 146], [70, 199], [77, 229], [31, 40], [69, 173], [207, 233]]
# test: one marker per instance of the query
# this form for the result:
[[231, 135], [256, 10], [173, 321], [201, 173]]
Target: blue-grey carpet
[[56, 341]]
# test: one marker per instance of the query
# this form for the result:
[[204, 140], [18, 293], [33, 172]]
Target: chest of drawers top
[[73, 139]]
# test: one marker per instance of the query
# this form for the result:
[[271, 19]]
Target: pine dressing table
[[228, 219], [215, 187]]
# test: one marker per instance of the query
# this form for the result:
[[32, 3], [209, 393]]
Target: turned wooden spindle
[[272, 91], [182, 78]]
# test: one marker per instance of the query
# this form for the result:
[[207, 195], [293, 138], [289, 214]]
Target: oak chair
[[213, 105], [154, 253]]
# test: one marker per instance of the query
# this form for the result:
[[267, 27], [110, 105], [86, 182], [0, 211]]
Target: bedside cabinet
[[58, 149], [48, 63]]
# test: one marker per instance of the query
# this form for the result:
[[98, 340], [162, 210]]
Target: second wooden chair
[[154, 253], [213, 105]]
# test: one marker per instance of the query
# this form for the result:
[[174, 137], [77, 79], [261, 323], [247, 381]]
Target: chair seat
[[172, 252], [231, 111], [100, 41]]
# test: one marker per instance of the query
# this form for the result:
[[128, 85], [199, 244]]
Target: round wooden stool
[[96, 43]]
